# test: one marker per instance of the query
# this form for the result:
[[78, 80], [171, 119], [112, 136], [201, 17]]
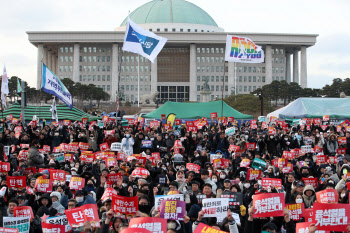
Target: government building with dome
[[192, 58]]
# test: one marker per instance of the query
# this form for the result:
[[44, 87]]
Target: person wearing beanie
[[56, 198]]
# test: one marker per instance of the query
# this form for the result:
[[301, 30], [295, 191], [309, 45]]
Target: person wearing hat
[[309, 196], [83, 199], [56, 198], [22, 200], [45, 204]]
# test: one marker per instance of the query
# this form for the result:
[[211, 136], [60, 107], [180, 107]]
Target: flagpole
[[223, 88], [235, 77], [138, 80]]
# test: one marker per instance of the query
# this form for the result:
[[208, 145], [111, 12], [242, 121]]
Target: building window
[[198, 98], [212, 78], [98, 78], [282, 70], [198, 87], [198, 78], [188, 30], [217, 88], [263, 79], [181, 29], [250, 78], [108, 78], [254, 79], [165, 29], [158, 29], [240, 78], [174, 30]]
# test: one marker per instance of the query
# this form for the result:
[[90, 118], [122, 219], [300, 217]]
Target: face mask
[[79, 199], [124, 185], [246, 185], [285, 139], [246, 137], [181, 139], [342, 195], [164, 168], [171, 225], [74, 173], [56, 134], [222, 176], [214, 180], [127, 135], [299, 201], [166, 137], [146, 138], [197, 155], [271, 137], [317, 135]]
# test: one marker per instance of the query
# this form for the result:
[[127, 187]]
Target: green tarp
[[196, 110], [43, 112]]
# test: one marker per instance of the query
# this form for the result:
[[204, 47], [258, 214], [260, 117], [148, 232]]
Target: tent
[[196, 110], [277, 112], [43, 112], [336, 108]]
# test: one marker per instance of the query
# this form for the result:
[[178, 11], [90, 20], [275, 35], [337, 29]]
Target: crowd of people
[[170, 173]]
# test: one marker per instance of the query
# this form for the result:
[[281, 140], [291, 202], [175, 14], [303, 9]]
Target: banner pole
[[138, 80], [222, 93]]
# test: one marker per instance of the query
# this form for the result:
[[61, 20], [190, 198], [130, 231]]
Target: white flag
[[243, 50], [4, 88], [141, 41], [53, 109]]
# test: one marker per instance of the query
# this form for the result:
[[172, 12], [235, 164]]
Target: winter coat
[[309, 201], [34, 158]]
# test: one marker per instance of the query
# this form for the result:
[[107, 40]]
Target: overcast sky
[[328, 59]]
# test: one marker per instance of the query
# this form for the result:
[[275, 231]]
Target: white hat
[[56, 194]]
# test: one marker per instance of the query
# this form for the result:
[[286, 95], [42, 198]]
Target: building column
[[39, 67], [115, 72], [288, 70], [46, 54], [231, 76], [303, 67], [49, 59], [268, 64], [296, 66], [53, 61], [193, 72], [154, 76], [76, 54]]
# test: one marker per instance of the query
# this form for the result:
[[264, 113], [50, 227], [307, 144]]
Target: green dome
[[170, 11]]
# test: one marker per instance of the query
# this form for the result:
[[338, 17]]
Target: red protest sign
[[84, 120], [282, 162], [22, 155], [308, 214], [296, 211], [213, 115], [111, 162], [167, 127], [58, 175], [332, 160], [83, 146], [217, 163], [193, 167], [108, 194], [46, 148], [201, 228], [192, 128], [109, 132], [125, 205], [152, 224], [267, 182], [326, 118], [114, 177], [4, 167], [43, 185], [321, 159], [86, 213], [250, 146], [156, 155], [268, 205], [9, 230], [104, 146], [87, 156], [73, 146], [52, 228], [23, 211], [331, 217], [310, 181], [230, 119], [302, 227], [245, 163], [77, 183], [24, 146], [341, 140], [135, 230], [288, 168], [253, 174], [67, 122], [121, 155], [64, 147], [288, 155], [177, 122], [140, 172], [317, 121], [323, 127], [233, 148], [329, 196], [16, 181], [341, 151], [272, 130], [225, 163], [68, 157], [154, 124], [189, 123]]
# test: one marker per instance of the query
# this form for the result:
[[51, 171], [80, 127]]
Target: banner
[[203, 228], [235, 199], [77, 183], [53, 85], [83, 146], [173, 209], [143, 42], [86, 213], [296, 211], [250, 146], [58, 175], [125, 205], [215, 207], [43, 185], [140, 172], [268, 205], [267, 182], [114, 177], [60, 220], [52, 228], [310, 181], [193, 167], [329, 196], [253, 174], [155, 225], [331, 217], [16, 181], [159, 198], [111, 162], [23, 211], [259, 164], [20, 223], [242, 50]]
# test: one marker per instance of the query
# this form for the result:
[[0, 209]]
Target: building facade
[[192, 57]]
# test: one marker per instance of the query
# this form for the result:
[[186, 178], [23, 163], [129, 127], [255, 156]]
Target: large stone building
[[193, 55]]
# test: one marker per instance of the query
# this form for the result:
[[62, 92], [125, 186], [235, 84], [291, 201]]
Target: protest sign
[[114, 177], [259, 164], [173, 209], [52, 228], [159, 198], [272, 130], [9, 230], [282, 162], [341, 151], [104, 146], [108, 194], [135, 230], [250, 146], [116, 146], [86, 213], [111, 162], [288, 168], [233, 148], [20, 223], [230, 131], [268, 205], [341, 140], [288, 155], [253, 174], [321, 159], [60, 220], [125, 205], [245, 163], [235, 199], [73, 146], [296, 211], [4, 167], [329, 196], [203, 228], [16, 181], [83, 146], [310, 181], [77, 183], [140, 172], [215, 207], [43, 185], [331, 217], [193, 167], [58, 175], [23, 211], [155, 225], [213, 115], [267, 182]]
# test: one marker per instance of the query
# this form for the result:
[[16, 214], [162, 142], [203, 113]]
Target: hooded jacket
[[34, 158], [56, 204], [309, 201]]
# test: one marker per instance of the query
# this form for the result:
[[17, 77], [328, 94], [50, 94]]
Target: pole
[[262, 103], [22, 100], [235, 77], [222, 93], [138, 81]]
